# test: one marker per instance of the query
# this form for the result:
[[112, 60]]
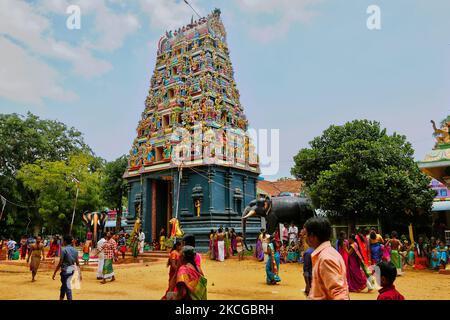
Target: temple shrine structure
[[436, 165], [193, 158]]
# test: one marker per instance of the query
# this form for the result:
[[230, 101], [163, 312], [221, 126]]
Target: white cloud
[[27, 29], [169, 14], [23, 23], [113, 28], [287, 12], [25, 79]]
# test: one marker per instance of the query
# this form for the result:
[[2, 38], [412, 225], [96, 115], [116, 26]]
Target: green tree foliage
[[55, 182], [25, 140], [114, 186], [357, 171]]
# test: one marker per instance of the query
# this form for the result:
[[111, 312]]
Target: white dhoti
[[221, 249], [141, 247], [101, 261]]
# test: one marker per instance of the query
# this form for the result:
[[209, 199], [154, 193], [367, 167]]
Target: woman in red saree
[[172, 262], [53, 248], [420, 255], [355, 275], [362, 240], [342, 247], [216, 246], [191, 283]]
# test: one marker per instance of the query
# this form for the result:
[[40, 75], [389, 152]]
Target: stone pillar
[[228, 198], [153, 210], [244, 192], [211, 174], [183, 208]]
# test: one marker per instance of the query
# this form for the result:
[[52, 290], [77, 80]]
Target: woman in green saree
[[135, 245], [191, 283]]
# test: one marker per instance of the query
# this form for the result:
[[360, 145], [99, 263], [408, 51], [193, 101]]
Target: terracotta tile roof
[[274, 188]]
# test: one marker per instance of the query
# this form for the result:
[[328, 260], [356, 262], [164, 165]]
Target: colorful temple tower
[[193, 158]]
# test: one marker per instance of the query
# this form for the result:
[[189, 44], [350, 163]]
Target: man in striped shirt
[[109, 251]]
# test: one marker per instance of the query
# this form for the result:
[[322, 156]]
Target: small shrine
[[436, 163], [193, 158]]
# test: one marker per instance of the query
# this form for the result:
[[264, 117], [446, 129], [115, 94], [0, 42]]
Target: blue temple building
[[193, 158]]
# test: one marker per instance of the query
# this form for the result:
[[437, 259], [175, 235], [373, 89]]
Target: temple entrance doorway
[[164, 187]]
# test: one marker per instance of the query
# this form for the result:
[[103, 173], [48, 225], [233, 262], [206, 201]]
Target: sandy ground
[[232, 279]]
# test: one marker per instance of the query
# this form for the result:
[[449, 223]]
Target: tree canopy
[[56, 182], [25, 140], [358, 171], [114, 186]]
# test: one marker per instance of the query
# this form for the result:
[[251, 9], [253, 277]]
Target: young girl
[[283, 253], [443, 254], [240, 246], [410, 255], [291, 254], [272, 264], [122, 245], [86, 250]]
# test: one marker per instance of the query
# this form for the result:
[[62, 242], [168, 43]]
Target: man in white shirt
[[141, 241], [101, 258], [293, 233], [11, 244]]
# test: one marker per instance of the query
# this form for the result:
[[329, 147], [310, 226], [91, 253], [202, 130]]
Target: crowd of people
[[225, 243], [361, 254], [331, 270]]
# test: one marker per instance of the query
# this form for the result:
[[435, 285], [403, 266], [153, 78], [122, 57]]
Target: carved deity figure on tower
[[442, 134]]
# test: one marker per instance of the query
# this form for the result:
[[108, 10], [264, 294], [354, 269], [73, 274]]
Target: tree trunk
[[351, 224]]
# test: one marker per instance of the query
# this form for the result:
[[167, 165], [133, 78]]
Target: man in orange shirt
[[329, 280]]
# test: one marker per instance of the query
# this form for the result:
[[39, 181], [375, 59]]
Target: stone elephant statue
[[95, 222], [278, 210]]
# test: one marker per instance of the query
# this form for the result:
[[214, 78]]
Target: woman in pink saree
[[342, 247], [355, 275], [190, 283]]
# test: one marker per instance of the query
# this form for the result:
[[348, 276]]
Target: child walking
[[240, 246], [86, 250]]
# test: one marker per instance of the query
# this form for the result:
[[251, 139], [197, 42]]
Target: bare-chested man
[[221, 245], [395, 255]]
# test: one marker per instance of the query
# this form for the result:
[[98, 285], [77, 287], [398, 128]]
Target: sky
[[300, 65]]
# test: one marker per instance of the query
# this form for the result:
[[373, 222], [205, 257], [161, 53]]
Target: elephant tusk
[[250, 214]]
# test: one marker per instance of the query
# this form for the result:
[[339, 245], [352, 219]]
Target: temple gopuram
[[193, 158]]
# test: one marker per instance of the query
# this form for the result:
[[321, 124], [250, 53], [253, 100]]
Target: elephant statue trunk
[[95, 221], [247, 214]]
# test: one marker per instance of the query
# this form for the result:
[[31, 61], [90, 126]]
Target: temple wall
[[220, 199]]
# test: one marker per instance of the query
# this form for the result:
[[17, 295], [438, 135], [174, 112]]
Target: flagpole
[[74, 207], [185, 1]]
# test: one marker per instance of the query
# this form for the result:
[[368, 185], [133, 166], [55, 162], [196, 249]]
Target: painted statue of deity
[[252, 157], [167, 153], [149, 153], [174, 118], [442, 134]]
